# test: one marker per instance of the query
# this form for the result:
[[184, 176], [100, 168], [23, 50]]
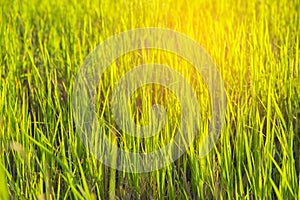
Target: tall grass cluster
[[255, 45]]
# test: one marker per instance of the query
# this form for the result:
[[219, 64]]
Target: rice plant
[[255, 46]]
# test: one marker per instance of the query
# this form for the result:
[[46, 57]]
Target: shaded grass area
[[255, 45]]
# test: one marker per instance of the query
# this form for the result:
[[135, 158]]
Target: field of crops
[[255, 47]]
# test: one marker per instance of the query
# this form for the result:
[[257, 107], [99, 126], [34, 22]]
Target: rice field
[[254, 44]]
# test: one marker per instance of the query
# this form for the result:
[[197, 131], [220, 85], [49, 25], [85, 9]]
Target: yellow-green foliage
[[255, 45]]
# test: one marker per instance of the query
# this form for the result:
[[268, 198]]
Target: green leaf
[[3, 185]]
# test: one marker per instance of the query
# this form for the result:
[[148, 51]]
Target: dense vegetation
[[255, 45]]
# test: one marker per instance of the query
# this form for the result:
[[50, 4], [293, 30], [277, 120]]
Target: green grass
[[255, 45]]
